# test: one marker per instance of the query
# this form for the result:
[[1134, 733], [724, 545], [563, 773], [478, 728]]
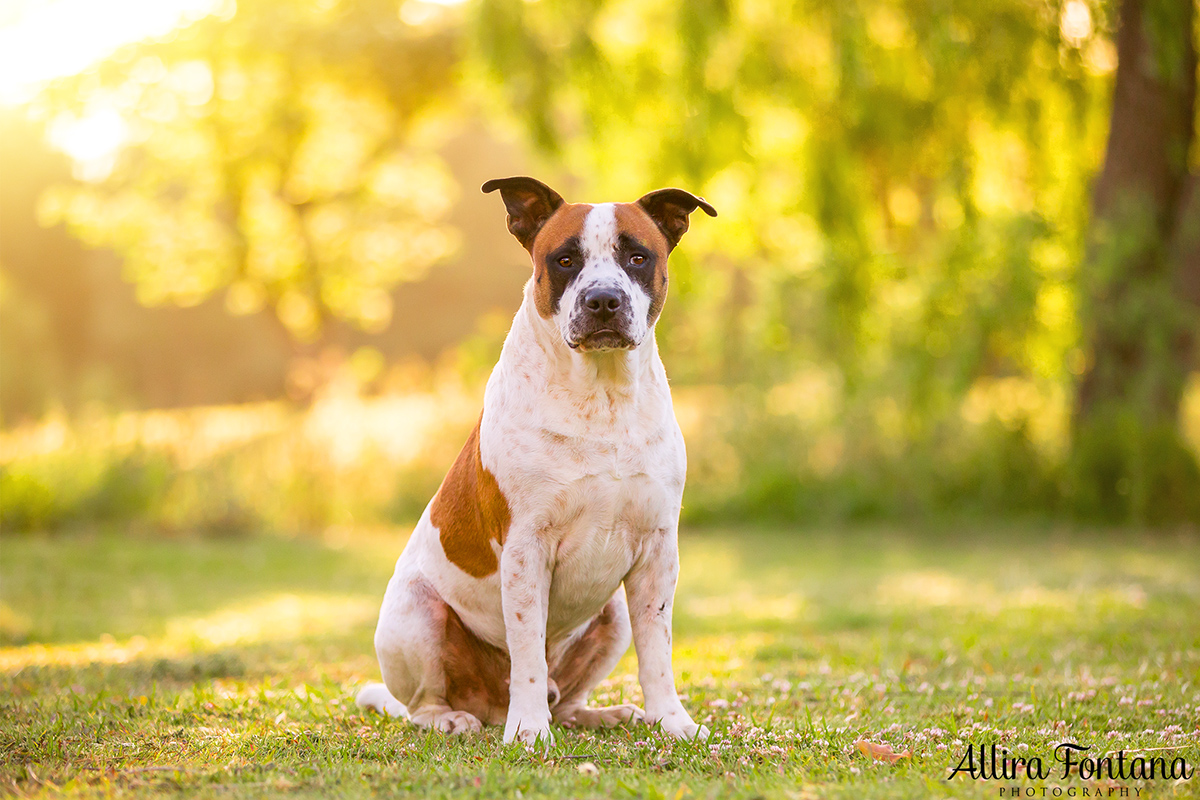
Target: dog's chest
[[569, 469], [611, 496], [594, 487]]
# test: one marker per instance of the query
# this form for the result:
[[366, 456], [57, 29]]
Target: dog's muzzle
[[601, 321]]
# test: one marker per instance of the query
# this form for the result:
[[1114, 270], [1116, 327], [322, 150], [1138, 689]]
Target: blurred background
[[248, 281]]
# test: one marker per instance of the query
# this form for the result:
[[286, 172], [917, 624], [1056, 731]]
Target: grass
[[226, 667]]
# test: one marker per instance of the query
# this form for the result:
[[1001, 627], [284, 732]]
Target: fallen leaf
[[880, 752]]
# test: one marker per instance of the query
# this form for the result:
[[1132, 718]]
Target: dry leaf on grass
[[880, 752]]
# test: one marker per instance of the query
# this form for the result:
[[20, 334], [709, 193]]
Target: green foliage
[[1122, 467], [171, 473], [1129, 459], [903, 190], [900, 189], [761, 463], [72, 488], [849, 148], [23, 327], [244, 175]]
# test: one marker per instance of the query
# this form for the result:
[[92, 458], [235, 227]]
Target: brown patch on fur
[[633, 221], [577, 666], [470, 512], [567, 222], [476, 673]]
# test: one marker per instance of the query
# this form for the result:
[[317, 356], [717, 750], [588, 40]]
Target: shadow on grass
[[84, 586], [886, 597]]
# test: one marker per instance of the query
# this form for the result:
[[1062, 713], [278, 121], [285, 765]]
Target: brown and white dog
[[509, 602]]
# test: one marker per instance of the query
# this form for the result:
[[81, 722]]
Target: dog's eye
[[637, 259], [565, 262]]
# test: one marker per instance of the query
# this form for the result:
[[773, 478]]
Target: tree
[[272, 157], [907, 221], [1141, 278], [903, 188], [865, 143]]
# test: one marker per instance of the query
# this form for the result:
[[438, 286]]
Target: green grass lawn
[[137, 666]]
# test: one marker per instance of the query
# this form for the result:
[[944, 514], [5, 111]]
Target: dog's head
[[599, 271]]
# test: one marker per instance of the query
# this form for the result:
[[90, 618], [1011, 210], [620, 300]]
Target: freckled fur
[[588, 463]]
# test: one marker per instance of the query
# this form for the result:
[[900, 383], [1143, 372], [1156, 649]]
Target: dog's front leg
[[525, 594], [650, 587]]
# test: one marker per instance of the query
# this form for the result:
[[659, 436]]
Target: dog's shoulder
[[470, 511]]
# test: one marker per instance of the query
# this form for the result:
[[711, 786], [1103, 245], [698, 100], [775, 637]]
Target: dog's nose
[[602, 302]]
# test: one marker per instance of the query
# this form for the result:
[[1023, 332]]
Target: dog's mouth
[[602, 339]]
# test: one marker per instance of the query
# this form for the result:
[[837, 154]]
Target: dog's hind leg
[[376, 697], [587, 661], [411, 643], [477, 673]]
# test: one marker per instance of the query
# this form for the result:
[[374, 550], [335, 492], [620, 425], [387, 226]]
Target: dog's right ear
[[529, 202]]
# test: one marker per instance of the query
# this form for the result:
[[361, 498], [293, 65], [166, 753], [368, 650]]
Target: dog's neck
[[535, 351]]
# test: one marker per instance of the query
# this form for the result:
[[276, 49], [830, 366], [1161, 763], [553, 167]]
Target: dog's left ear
[[670, 209], [529, 202]]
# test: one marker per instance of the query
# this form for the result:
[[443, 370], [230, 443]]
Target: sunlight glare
[[48, 39], [1076, 22], [272, 618], [92, 140]]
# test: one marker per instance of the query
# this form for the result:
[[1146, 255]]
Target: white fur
[[591, 461], [376, 697]]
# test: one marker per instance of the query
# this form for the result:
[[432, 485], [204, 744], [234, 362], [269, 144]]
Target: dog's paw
[[459, 722], [448, 721], [606, 717], [528, 730], [680, 725]]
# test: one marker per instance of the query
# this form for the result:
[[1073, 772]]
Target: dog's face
[[600, 271]]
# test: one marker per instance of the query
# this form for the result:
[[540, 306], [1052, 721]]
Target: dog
[[553, 540]]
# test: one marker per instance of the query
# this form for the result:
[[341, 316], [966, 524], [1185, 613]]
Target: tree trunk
[[1185, 252], [1128, 459]]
